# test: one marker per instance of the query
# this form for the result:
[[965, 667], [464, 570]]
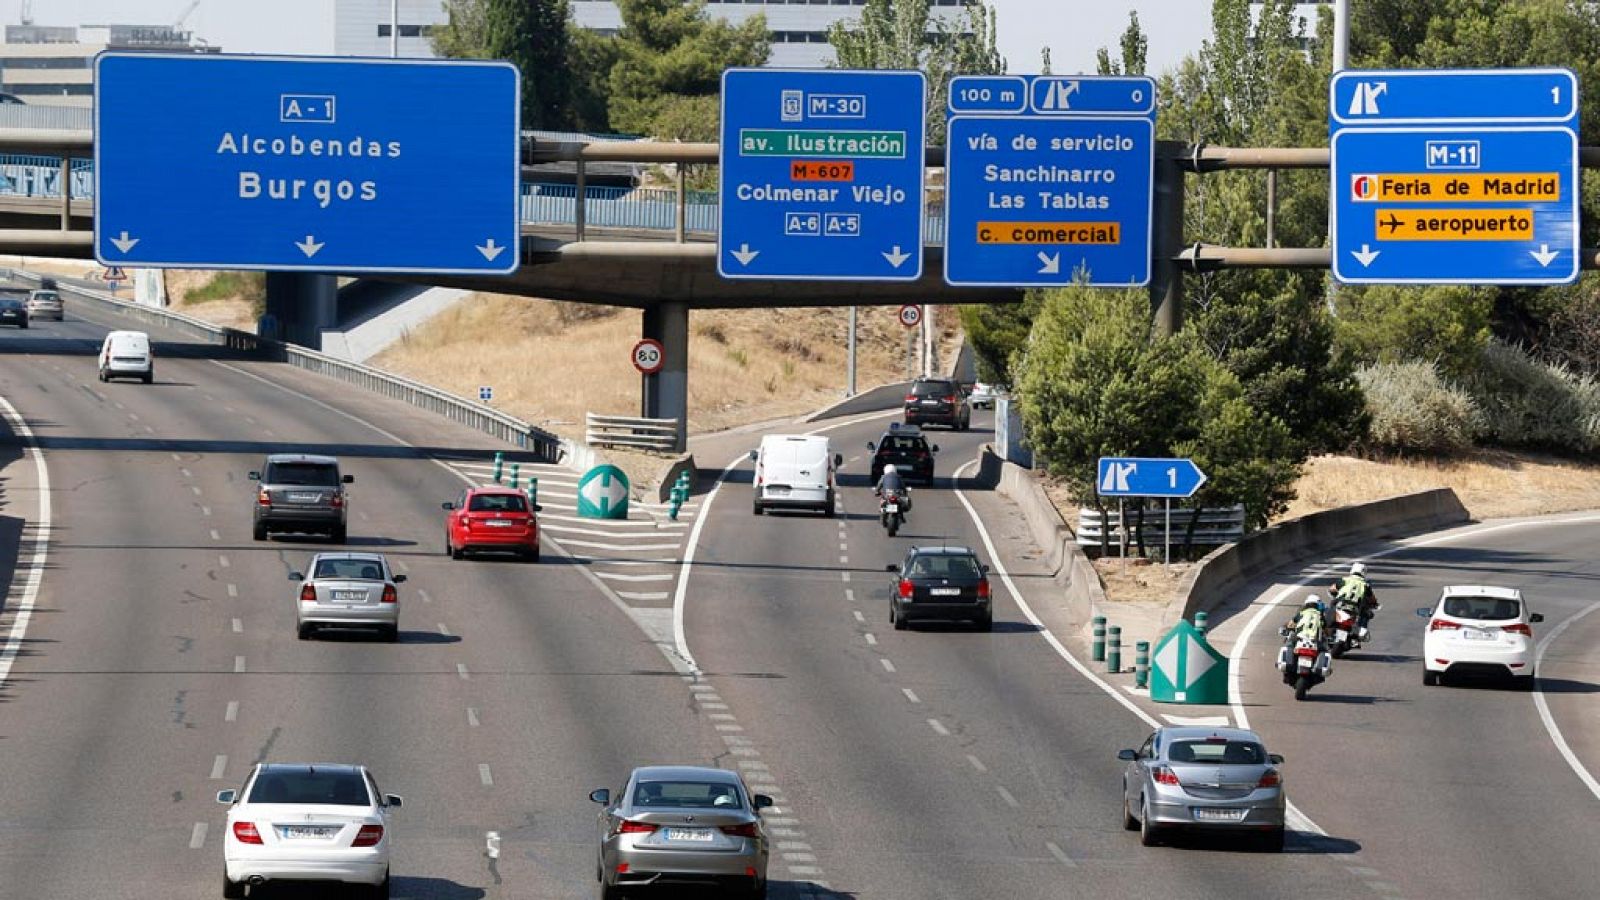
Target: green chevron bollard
[[1200, 620], [1141, 664], [533, 492], [516, 477], [1114, 649], [1097, 649], [499, 462]]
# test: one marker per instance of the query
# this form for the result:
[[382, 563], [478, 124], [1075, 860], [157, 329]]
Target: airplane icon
[[1393, 223]]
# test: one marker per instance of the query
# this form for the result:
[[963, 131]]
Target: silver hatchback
[[348, 590], [1220, 779], [681, 826]]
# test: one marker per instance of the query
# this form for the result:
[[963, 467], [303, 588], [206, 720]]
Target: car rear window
[[697, 794], [11, 303], [945, 567], [47, 295], [324, 788], [1217, 752], [497, 503], [360, 569], [1482, 607], [900, 444], [312, 474], [933, 389]]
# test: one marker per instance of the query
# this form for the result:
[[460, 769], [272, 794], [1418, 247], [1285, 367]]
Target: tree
[[1447, 325], [669, 52], [1135, 51], [464, 32], [593, 56], [904, 34], [533, 34], [997, 332]]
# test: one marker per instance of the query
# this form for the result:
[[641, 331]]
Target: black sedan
[[13, 312], [905, 447], [940, 584]]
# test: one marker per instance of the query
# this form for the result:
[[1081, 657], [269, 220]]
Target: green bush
[[250, 286], [1444, 324], [1533, 404], [1413, 409]]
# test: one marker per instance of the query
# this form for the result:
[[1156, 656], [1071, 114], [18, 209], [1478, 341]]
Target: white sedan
[[1479, 629], [300, 822]]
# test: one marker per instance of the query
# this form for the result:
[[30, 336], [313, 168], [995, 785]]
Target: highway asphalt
[[161, 661]]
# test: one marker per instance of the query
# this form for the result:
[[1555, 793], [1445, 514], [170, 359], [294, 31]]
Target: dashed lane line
[[197, 837], [938, 728], [472, 717], [484, 776], [1060, 855], [911, 695], [643, 596], [887, 665], [232, 714], [238, 664], [977, 763], [219, 767], [238, 626], [461, 671], [1007, 796]]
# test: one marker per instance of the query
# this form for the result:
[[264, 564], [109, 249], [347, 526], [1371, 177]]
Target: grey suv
[[301, 493]]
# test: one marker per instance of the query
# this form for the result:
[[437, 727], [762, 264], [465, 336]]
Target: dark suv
[[938, 401], [944, 583], [301, 493], [907, 449]]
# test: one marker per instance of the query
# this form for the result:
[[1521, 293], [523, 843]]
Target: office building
[[53, 65], [361, 27]]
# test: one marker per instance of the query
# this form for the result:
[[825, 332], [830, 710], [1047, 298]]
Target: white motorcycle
[[1304, 664], [891, 511]]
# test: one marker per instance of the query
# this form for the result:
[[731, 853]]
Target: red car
[[493, 519]]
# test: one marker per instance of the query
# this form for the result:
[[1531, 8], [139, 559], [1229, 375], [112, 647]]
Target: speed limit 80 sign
[[648, 356]]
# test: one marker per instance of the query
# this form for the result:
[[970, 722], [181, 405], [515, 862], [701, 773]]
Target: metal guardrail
[[1216, 526], [628, 431], [547, 446]]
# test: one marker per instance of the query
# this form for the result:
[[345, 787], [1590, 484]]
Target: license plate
[[945, 592], [303, 497], [892, 508], [779, 491], [930, 403], [306, 831], [1473, 634], [499, 523], [349, 596], [1219, 815], [689, 834]]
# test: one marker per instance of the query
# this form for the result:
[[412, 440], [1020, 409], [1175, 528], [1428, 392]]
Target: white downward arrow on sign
[[124, 243], [1052, 263], [744, 254], [1545, 255], [1365, 255], [489, 249], [896, 258], [604, 496], [309, 246]]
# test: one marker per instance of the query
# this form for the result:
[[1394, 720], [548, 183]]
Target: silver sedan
[[682, 825], [1220, 779], [348, 590]]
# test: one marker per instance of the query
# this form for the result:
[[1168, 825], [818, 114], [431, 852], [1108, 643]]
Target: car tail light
[[1269, 778], [911, 398], [264, 497], [950, 399], [905, 587], [389, 594], [983, 589], [627, 827], [1518, 628], [747, 830], [1443, 625], [337, 501], [246, 833], [1165, 775], [308, 594], [368, 836]]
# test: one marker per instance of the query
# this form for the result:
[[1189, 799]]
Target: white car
[[1479, 629], [44, 305], [983, 395], [301, 822], [127, 354]]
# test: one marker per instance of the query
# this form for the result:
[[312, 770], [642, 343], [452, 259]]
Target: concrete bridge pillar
[[300, 305], [666, 393]]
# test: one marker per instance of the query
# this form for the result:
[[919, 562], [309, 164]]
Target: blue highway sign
[[1477, 194], [1120, 476], [301, 163], [822, 175], [1047, 177]]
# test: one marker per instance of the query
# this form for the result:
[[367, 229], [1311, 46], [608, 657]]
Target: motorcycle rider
[[1309, 622], [892, 483], [1354, 591]]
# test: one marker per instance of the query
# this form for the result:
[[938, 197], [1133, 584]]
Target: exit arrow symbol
[[744, 254], [1365, 255], [1052, 263], [309, 246], [488, 249], [896, 258], [1545, 255], [124, 243]]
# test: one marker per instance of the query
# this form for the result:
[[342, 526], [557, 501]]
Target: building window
[[52, 90], [410, 31], [45, 62]]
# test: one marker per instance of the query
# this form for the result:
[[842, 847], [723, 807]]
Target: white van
[[127, 354], [795, 472]]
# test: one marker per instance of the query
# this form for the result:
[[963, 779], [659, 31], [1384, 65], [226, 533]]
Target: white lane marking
[[195, 488], [1198, 721], [205, 510], [706, 698], [844, 560], [701, 688], [223, 561], [977, 763], [238, 664], [850, 595], [859, 617], [844, 576], [793, 845], [1544, 707], [133, 416], [721, 706], [401, 565], [219, 767], [722, 717], [461, 670], [617, 576], [643, 595], [804, 870], [629, 535], [197, 837], [186, 472], [424, 596], [1007, 797], [118, 405], [484, 776], [176, 458], [238, 627], [233, 590], [938, 728], [887, 665], [753, 764], [216, 535], [472, 717], [911, 695], [799, 857], [600, 545], [1060, 855], [728, 727], [871, 641], [41, 543], [444, 630], [232, 715], [843, 546]]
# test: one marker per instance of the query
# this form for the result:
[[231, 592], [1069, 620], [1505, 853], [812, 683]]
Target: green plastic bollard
[[1200, 619], [516, 478], [1141, 664], [533, 491], [499, 462], [1114, 649], [1097, 648]]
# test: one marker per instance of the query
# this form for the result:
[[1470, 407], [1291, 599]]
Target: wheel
[[1301, 686], [1429, 678], [103, 375], [898, 621], [1272, 841], [23, 326], [1148, 835], [380, 891], [609, 891], [305, 631], [755, 508], [455, 552], [259, 531], [1129, 823], [1338, 650], [231, 888], [391, 634], [986, 623], [1527, 682], [340, 534], [894, 526], [532, 555], [759, 891], [149, 377]]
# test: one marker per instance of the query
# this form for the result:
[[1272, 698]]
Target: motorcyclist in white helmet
[[1353, 590], [892, 483], [1309, 622]]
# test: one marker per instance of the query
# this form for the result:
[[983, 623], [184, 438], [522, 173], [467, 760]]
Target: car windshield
[[360, 569], [310, 474], [696, 794], [1216, 751], [1481, 607], [943, 566], [324, 788], [933, 389], [902, 444], [497, 503]]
